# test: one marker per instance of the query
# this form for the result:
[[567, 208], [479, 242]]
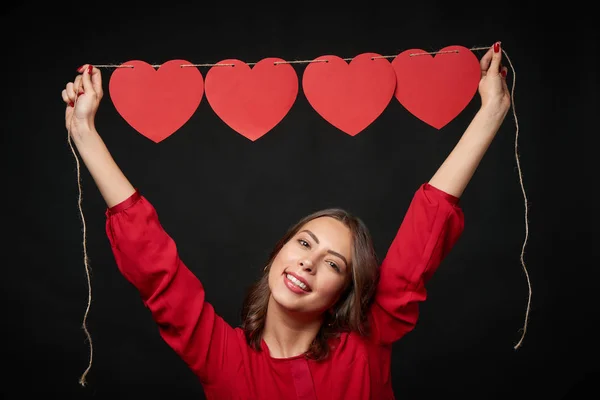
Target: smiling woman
[[321, 321], [324, 270]]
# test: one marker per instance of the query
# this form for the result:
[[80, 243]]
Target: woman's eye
[[334, 265], [303, 242]]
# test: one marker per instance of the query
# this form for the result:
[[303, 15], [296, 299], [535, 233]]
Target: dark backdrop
[[226, 200]]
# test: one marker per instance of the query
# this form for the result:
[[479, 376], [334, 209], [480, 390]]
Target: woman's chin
[[289, 301]]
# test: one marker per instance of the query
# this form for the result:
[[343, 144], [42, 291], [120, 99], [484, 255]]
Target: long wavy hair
[[350, 311]]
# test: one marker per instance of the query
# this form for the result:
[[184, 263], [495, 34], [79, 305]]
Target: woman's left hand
[[492, 86]]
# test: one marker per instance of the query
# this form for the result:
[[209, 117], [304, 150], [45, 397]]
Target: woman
[[321, 321]]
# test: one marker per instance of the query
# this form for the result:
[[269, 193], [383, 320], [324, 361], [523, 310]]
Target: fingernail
[[71, 104], [80, 93], [503, 73], [90, 68], [496, 47], [80, 69]]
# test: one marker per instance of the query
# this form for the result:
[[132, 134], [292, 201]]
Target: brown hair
[[349, 313]]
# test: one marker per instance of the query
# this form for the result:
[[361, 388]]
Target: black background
[[226, 200]]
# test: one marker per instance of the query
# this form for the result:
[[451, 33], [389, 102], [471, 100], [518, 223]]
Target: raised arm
[[83, 97], [434, 220], [457, 170], [145, 254]]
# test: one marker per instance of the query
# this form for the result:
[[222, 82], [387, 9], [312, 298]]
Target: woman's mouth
[[295, 285]]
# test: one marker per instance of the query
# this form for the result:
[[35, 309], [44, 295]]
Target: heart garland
[[252, 101], [156, 103], [349, 96], [436, 89]]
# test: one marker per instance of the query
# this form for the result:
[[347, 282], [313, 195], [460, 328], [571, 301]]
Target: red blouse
[[357, 368]]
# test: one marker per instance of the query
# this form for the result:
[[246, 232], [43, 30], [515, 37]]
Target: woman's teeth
[[297, 282]]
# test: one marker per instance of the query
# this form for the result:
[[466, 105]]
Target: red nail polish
[[503, 73], [496, 47], [80, 69], [80, 93], [90, 68], [71, 104]]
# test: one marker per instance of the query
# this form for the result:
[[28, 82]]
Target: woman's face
[[311, 270]]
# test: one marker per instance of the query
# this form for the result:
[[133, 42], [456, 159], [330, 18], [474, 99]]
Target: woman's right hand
[[82, 98]]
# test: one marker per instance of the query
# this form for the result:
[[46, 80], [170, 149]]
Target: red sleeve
[[431, 227], [147, 257]]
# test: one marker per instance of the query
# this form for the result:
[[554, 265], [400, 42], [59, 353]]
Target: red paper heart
[[156, 103], [252, 101], [349, 96], [436, 89]]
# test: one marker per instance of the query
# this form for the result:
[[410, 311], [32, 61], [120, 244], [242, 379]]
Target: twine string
[[523, 330], [525, 201], [284, 62], [82, 379]]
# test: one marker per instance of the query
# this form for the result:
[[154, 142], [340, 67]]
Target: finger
[[70, 90], [486, 60], [87, 81], [77, 86], [68, 115], [66, 98], [96, 78], [504, 74], [496, 59]]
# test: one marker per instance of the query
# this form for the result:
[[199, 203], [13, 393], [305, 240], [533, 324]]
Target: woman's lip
[[292, 286], [301, 280]]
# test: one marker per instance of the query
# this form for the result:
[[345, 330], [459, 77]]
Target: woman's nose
[[306, 264]]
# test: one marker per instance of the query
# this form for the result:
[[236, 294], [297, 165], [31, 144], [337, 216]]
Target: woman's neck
[[288, 334]]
